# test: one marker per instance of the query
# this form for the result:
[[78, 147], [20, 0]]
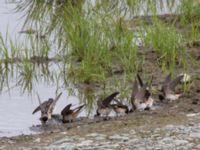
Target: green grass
[[189, 11], [192, 34], [168, 44], [98, 43], [93, 41]]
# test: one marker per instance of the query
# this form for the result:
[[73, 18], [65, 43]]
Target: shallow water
[[10, 21], [16, 106], [16, 109]]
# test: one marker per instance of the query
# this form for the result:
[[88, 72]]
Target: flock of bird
[[141, 99]]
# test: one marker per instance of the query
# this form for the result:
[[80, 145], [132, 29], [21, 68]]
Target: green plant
[[189, 10], [168, 44]]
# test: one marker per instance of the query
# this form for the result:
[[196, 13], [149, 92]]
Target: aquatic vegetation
[[148, 7], [94, 46], [189, 10], [93, 41], [98, 43], [8, 49], [168, 44], [193, 34]]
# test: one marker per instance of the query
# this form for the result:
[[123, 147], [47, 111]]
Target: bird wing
[[44, 106], [140, 95], [147, 94], [39, 107], [135, 90], [108, 99], [36, 109], [140, 80], [55, 100], [175, 82], [77, 109], [167, 79], [66, 110], [143, 94], [166, 85]]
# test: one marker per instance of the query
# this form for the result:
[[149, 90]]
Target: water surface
[[16, 105]]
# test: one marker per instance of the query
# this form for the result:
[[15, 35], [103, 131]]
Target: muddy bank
[[176, 122], [137, 130]]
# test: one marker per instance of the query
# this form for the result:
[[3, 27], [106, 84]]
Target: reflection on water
[[19, 82], [16, 109], [9, 20], [18, 97]]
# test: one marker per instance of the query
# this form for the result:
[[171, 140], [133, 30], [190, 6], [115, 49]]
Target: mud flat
[[158, 129]]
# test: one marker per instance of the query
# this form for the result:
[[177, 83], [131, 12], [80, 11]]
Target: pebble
[[180, 137], [180, 142], [118, 137], [195, 135], [193, 114], [198, 146], [37, 140], [95, 135]]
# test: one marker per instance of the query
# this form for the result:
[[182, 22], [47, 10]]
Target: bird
[[103, 106], [119, 108], [141, 97], [69, 115], [168, 88], [46, 108]]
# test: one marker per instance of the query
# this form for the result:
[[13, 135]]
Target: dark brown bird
[[104, 107], [120, 108], [46, 108], [168, 88], [69, 115], [141, 96]]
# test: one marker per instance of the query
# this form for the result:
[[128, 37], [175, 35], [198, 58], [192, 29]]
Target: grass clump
[[189, 10], [9, 49], [26, 76], [193, 34], [125, 51], [99, 44], [168, 44], [86, 45]]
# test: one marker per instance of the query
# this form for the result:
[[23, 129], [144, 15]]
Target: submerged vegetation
[[94, 40]]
